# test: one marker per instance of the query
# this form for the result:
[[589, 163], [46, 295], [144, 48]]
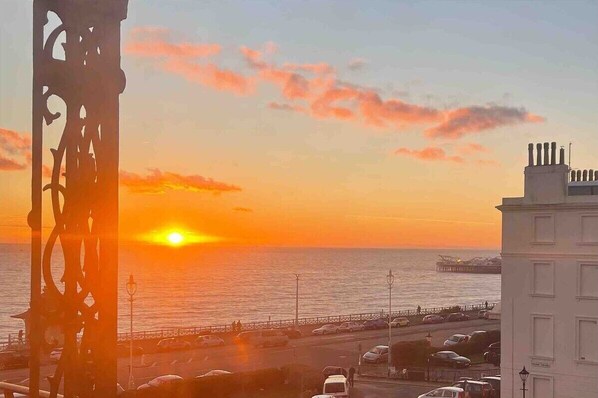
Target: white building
[[549, 314]]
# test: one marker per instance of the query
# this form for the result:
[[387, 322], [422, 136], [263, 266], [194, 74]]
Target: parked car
[[449, 358], [456, 339], [325, 329], [482, 314], [492, 354], [55, 354], [397, 322], [378, 354], [350, 327], [124, 350], [263, 338], [433, 318], [216, 372], [373, 324], [160, 381], [208, 340], [173, 344], [14, 359], [292, 333], [494, 381], [476, 389], [336, 386], [457, 316], [477, 335], [334, 370], [451, 392]]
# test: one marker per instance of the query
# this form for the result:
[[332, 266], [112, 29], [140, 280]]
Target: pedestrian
[[234, 326], [419, 309], [239, 326], [486, 305], [351, 376]]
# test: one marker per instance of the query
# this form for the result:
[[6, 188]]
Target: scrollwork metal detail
[[83, 190]]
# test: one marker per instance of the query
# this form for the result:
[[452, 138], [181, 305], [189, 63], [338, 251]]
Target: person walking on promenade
[[239, 326], [486, 305], [351, 376], [234, 326], [419, 309]]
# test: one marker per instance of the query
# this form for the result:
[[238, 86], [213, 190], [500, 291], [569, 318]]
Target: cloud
[[151, 41], [7, 164], [429, 154], [14, 143], [157, 181], [210, 75], [357, 64], [285, 107], [243, 209], [474, 119], [471, 148], [315, 90]]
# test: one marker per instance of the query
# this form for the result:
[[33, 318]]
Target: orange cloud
[[210, 75], [13, 142], [7, 164], [471, 148], [462, 121], [243, 209], [157, 181], [429, 154], [314, 89]]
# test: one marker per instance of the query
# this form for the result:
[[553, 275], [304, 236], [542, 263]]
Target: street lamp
[[131, 290], [390, 279], [523, 374], [297, 301]]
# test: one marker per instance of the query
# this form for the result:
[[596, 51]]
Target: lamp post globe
[[131, 290], [523, 375], [131, 286]]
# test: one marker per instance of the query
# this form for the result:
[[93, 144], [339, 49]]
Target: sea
[[201, 285]]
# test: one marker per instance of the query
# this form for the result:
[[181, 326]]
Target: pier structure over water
[[477, 265]]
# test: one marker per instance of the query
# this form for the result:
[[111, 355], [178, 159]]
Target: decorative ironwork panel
[[80, 309]]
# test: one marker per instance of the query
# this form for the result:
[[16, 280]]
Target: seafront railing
[[286, 323]]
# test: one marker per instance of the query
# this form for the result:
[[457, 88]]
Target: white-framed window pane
[[543, 228], [588, 280], [542, 387], [589, 229], [542, 340], [543, 278], [587, 340]]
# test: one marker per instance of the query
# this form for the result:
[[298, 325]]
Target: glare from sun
[[175, 238]]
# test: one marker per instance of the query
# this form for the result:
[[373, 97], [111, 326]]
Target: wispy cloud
[[434, 154], [15, 149], [157, 181], [243, 209], [7, 164], [357, 64], [314, 89]]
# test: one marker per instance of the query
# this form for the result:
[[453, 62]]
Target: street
[[315, 351]]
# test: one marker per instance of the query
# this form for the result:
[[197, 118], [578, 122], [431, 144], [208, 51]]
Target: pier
[[477, 265]]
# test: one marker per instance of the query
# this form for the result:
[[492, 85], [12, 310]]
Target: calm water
[[194, 286]]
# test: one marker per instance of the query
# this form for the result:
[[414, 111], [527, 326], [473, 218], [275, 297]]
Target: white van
[[336, 386], [263, 338]]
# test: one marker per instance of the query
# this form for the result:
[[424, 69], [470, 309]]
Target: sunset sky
[[324, 123]]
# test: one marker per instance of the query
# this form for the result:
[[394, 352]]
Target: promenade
[[314, 351]]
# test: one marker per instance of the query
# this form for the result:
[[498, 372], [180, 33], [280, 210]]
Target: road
[[315, 351]]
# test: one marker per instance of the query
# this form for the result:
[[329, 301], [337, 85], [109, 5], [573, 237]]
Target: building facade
[[549, 308]]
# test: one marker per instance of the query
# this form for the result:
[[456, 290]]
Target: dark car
[[334, 370], [173, 344], [449, 358], [292, 333], [375, 324], [124, 350], [494, 381], [476, 389], [492, 354], [13, 359], [457, 316]]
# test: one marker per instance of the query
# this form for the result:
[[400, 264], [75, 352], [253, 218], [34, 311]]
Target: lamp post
[[131, 290], [296, 301], [429, 340], [523, 374], [390, 279]]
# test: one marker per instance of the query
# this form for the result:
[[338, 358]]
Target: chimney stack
[[539, 154], [553, 153]]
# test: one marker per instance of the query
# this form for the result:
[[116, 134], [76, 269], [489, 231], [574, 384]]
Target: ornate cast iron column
[[83, 189]]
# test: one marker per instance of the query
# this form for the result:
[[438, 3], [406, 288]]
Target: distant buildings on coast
[[549, 314]]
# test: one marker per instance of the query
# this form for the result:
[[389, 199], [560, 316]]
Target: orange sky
[[308, 137]]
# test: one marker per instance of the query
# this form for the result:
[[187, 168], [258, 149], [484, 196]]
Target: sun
[[175, 238]]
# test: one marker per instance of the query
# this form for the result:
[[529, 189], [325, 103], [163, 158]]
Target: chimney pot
[[585, 175], [553, 153], [562, 156], [530, 154], [546, 154], [539, 155], [591, 175], [572, 175]]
